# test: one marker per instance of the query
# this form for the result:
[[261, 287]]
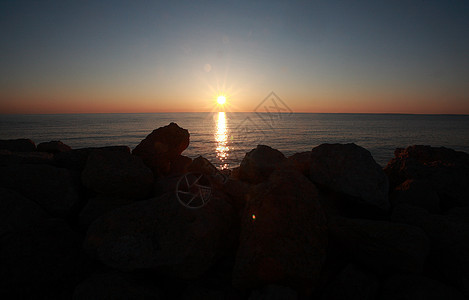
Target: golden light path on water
[[221, 137]]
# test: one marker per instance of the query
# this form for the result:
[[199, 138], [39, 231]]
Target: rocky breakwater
[[327, 223]]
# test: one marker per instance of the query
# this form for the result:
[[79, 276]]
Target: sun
[[221, 100]]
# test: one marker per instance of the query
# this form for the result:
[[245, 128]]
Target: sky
[[317, 56]]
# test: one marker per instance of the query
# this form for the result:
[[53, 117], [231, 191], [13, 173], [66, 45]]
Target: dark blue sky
[[328, 56]]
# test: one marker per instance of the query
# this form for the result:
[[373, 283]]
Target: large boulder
[[39, 261], [18, 145], [9, 158], [163, 235], [283, 234], [115, 285], [350, 169], [163, 146], [446, 170], [418, 193], [300, 162], [352, 283], [259, 163], [118, 174], [415, 287], [53, 147], [17, 212], [381, 245], [76, 159], [52, 188], [449, 241], [98, 206]]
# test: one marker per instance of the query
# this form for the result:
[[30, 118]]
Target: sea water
[[224, 138]]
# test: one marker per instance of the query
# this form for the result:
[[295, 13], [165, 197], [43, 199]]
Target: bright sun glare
[[221, 99]]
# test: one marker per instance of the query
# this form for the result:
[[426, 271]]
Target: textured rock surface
[[417, 287], [350, 169], [161, 147], [418, 193], [18, 145], [52, 188], [380, 245], [162, 234], [53, 147], [98, 206], [119, 174], [449, 240], [259, 163], [445, 169], [283, 234]]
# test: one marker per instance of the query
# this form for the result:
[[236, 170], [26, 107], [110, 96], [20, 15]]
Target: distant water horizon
[[225, 137]]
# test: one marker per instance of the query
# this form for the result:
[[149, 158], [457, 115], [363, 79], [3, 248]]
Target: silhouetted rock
[[76, 159], [17, 212], [9, 158], [274, 292], [352, 283], [163, 146], [98, 206], [18, 145], [39, 261], [52, 188], [259, 163], [116, 286], [116, 173], [202, 165], [350, 169], [300, 162], [283, 234], [415, 287], [53, 147], [237, 191], [380, 245], [161, 234], [180, 165], [445, 169], [449, 240], [418, 193]]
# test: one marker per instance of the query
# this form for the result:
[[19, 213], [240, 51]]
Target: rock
[[300, 162], [98, 206], [52, 188], [352, 283], [161, 147], [40, 261], [163, 235], [11, 158], [180, 165], [446, 170], [76, 159], [380, 245], [350, 169], [274, 292], [18, 213], [202, 165], [237, 190], [259, 163], [449, 241], [459, 214], [53, 147], [18, 145], [114, 285], [417, 287], [117, 174], [418, 193], [283, 234]]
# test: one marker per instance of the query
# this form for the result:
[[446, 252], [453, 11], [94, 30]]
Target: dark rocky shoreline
[[105, 223]]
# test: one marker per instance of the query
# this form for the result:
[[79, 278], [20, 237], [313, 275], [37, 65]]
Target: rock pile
[[328, 223]]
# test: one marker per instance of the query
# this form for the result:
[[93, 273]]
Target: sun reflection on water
[[221, 137]]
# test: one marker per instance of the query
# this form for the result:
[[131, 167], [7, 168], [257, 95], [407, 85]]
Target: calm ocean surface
[[224, 138]]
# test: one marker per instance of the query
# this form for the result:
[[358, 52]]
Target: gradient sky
[[317, 56]]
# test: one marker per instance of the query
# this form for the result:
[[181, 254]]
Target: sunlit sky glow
[[317, 56]]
